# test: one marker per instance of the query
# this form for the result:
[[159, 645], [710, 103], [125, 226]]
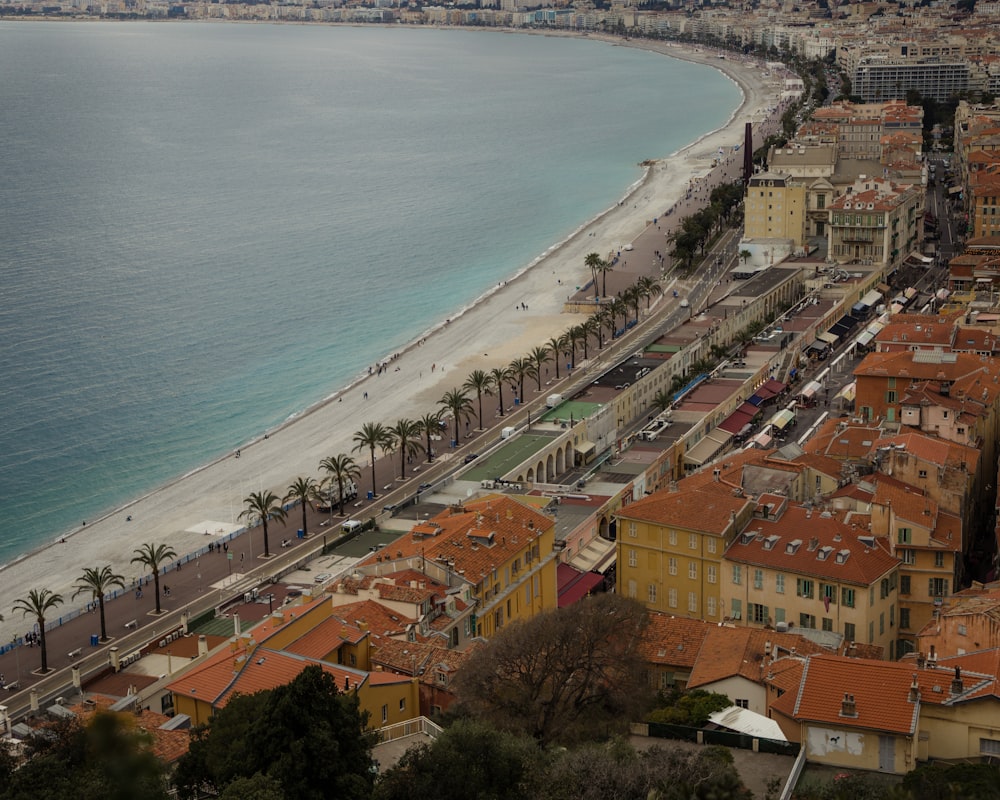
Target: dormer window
[[793, 547]]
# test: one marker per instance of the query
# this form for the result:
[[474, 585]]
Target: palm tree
[[519, 368], [661, 400], [649, 287], [573, 338], [263, 506], [302, 490], [539, 357], [593, 262], [745, 255], [37, 604], [557, 344], [430, 423], [152, 555], [459, 404], [605, 268], [340, 468], [480, 382], [500, 376], [596, 321], [584, 333], [97, 581], [406, 436], [617, 307], [372, 435], [608, 319], [632, 298]]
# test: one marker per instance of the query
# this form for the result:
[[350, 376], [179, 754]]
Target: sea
[[206, 228]]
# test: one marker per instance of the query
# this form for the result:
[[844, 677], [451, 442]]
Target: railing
[[794, 775], [412, 727]]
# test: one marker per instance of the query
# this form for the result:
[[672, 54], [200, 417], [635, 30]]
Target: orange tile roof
[[325, 637], [811, 543], [728, 652], [381, 620], [167, 746], [672, 641], [940, 452], [423, 657], [908, 502], [696, 509], [843, 440], [478, 537]]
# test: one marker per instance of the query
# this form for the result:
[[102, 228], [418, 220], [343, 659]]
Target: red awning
[[582, 584], [734, 422]]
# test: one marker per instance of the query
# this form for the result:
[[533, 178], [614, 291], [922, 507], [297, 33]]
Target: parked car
[[323, 577]]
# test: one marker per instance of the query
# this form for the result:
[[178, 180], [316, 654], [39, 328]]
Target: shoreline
[[444, 340]]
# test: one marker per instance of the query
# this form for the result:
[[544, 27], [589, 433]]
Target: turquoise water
[[206, 228]]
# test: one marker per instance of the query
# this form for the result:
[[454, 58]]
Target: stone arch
[[540, 472], [550, 462], [530, 477], [560, 461], [603, 528]]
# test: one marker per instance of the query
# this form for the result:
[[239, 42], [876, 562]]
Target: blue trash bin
[[371, 495], [94, 639], [302, 534], [517, 401]]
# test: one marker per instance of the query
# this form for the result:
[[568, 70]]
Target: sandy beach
[[489, 334]]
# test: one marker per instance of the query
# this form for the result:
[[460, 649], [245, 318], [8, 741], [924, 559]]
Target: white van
[[685, 303], [351, 526]]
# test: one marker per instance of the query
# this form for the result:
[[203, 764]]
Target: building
[[876, 222], [775, 208]]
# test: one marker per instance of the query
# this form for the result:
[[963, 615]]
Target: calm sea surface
[[206, 228]]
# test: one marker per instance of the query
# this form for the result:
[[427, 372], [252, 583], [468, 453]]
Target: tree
[[556, 346], [521, 368], [372, 435], [499, 376], [406, 436], [340, 469], [107, 757], [304, 491], [745, 255], [151, 556], [539, 357], [37, 604], [691, 708], [566, 674], [306, 736], [98, 581], [262, 506], [604, 269], [616, 307], [648, 288], [430, 424], [470, 759], [632, 298], [459, 404], [573, 339], [662, 400], [480, 382], [594, 263]]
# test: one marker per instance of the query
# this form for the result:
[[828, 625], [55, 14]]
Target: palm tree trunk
[[304, 530], [104, 627], [45, 649], [340, 485], [267, 549], [374, 488], [500, 395], [156, 587]]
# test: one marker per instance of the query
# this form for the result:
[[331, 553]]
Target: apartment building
[[775, 208], [876, 222], [796, 568]]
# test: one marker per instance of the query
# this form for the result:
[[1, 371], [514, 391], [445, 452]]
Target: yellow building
[[775, 208], [793, 568], [503, 550], [670, 548], [278, 649]]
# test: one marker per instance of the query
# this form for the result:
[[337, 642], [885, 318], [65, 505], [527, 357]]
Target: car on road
[[323, 577], [471, 457]]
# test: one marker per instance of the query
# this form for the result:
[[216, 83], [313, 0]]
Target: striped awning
[[810, 389], [783, 419]]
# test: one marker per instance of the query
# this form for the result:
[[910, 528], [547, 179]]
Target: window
[[672, 598], [633, 559], [903, 536], [921, 473], [692, 601], [672, 566], [849, 631], [710, 573], [737, 609], [711, 545], [989, 747], [847, 597], [827, 591], [632, 589], [693, 541], [884, 588], [892, 615], [907, 556], [742, 703], [962, 630], [710, 606], [402, 704], [779, 583], [827, 624], [937, 587], [672, 537], [757, 613], [904, 618], [758, 579], [385, 713], [881, 624], [693, 570], [807, 621], [803, 588], [904, 584], [632, 529], [737, 574], [939, 559], [651, 592], [890, 397], [871, 632]]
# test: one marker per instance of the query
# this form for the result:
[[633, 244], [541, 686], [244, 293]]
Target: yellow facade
[[776, 209]]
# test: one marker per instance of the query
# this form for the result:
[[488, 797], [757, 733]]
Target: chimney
[[956, 682], [717, 474], [185, 618], [847, 706], [115, 663], [236, 624], [914, 695], [347, 684], [921, 661], [202, 645], [75, 673]]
